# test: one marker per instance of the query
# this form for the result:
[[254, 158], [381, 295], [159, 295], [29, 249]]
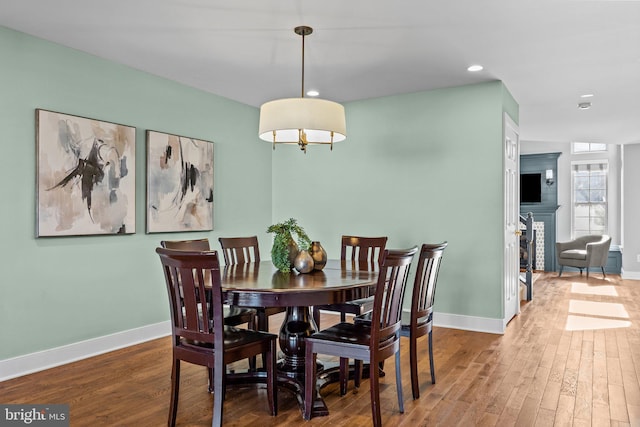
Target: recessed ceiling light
[[584, 105], [475, 68], [586, 95], [313, 93]]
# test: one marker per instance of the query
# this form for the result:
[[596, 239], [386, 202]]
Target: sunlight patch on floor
[[594, 315], [584, 323], [592, 308], [585, 289]]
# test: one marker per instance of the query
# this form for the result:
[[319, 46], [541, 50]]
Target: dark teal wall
[[545, 211]]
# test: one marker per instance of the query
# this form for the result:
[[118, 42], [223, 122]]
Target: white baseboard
[[39, 361], [468, 323], [630, 275]]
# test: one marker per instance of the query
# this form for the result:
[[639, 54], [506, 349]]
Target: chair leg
[[316, 317], [309, 381], [374, 380], [561, 267], [357, 373], [175, 388], [210, 380], [218, 391], [399, 383], [253, 325], [272, 387], [431, 364], [344, 375], [263, 321], [413, 362], [262, 324], [603, 273]]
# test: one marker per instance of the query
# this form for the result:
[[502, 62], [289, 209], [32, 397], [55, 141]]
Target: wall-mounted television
[[530, 188]]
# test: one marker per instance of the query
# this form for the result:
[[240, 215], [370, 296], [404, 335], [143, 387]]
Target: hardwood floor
[[572, 357]]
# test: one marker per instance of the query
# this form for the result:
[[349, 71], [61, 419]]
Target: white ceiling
[[547, 52]]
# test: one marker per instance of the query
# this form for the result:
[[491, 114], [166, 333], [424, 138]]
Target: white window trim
[[589, 151], [573, 204]]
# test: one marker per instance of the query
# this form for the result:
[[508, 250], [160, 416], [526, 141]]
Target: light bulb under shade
[[317, 117]]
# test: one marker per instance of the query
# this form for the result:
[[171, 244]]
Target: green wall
[[56, 291], [421, 167]]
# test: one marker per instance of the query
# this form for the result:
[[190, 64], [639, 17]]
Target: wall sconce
[[549, 177]]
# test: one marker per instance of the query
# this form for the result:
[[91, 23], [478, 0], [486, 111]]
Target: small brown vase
[[293, 252], [319, 256], [304, 262]]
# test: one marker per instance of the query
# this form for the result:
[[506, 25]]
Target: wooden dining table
[[262, 285]]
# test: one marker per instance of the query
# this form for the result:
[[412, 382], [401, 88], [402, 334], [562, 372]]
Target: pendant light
[[302, 121]]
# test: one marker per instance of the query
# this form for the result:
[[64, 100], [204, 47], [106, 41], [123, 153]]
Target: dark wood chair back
[[420, 321], [387, 306], [424, 286], [363, 252], [245, 250], [240, 250], [187, 274], [187, 245], [199, 335], [233, 315], [356, 252]]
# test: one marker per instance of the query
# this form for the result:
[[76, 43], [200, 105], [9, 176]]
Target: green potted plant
[[285, 248]]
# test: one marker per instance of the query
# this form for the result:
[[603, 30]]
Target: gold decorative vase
[[293, 251], [319, 256], [303, 262]]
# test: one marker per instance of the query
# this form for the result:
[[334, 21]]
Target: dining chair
[[199, 335], [420, 320], [370, 342], [363, 253], [233, 315], [243, 250]]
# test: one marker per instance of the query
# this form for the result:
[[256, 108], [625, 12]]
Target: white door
[[511, 219]]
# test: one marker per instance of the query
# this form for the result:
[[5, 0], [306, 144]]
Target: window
[[589, 197], [588, 147]]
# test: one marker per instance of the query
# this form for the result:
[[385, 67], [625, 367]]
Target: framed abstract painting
[[179, 183], [85, 179]]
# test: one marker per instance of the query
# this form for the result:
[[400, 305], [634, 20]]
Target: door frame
[[511, 222]]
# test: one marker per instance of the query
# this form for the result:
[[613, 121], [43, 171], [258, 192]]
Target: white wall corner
[[39, 361]]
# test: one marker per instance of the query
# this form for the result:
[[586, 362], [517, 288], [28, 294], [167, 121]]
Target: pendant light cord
[[302, 88], [303, 31]]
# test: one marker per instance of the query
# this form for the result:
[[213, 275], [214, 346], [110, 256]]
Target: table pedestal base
[[296, 327]]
